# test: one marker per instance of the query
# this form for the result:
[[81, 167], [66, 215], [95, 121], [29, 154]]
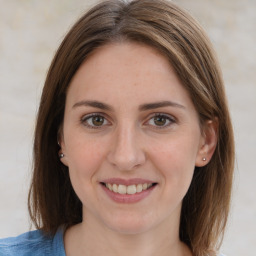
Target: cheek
[[83, 150], [175, 160], [85, 156]]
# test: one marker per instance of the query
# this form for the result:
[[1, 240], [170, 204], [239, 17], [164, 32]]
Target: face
[[131, 138]]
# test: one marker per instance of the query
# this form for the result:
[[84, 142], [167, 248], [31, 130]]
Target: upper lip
[[127, 182]]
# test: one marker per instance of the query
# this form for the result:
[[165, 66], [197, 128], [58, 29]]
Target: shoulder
[[34, 243], [30, 243]]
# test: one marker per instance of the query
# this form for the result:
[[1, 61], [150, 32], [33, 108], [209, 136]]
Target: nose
[[126, 152]]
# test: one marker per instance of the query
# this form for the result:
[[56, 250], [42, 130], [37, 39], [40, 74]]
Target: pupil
[[159, 120], [98, 120]]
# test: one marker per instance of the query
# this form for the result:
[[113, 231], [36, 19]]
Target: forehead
[[121, 71]]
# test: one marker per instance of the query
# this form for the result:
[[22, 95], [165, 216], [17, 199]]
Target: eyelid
[[167, 116], [88, 116]]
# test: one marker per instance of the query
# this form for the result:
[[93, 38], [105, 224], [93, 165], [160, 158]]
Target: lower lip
[[126, 198]]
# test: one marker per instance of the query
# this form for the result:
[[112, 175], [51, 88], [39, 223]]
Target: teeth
[[144, 186], [115, 188], [139, 188], [121, 189], [109, 186], [131, 189]]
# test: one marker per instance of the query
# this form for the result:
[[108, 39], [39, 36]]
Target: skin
[[128, 142]]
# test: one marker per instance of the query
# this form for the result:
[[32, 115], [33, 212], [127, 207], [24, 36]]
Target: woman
[[133, 150]]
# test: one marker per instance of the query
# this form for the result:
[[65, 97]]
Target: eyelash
[[85, 119], [171, 120]]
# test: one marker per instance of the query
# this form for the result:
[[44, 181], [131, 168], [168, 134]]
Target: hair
[[162, 25]]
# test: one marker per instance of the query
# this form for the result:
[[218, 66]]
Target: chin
[[130, 225]]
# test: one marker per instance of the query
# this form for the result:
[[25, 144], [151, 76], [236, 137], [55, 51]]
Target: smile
[[130, 190]]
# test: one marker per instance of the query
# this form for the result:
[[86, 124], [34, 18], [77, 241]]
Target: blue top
[[33, 243]]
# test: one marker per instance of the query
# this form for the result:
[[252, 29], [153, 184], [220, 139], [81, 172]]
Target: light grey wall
[[30, 32]]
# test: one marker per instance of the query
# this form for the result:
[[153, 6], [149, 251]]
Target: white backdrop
[[30, 32]]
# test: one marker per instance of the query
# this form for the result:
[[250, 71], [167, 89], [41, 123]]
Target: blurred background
[[30, 32]]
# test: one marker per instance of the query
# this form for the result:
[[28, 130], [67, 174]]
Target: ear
[[208, 142], [61, 143]]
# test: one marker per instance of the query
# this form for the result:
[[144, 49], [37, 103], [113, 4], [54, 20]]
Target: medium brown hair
[[178, 37]]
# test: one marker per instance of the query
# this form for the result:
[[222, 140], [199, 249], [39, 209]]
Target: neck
[[91, 238]]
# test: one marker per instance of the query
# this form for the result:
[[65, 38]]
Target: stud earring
[[204, 159], [61, 155]]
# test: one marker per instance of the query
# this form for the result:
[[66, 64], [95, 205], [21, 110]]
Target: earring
[[61, 155], [204, 159]]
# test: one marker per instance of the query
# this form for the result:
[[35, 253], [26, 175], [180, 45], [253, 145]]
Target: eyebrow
[[143, 107], [160, 104], [93, 103]]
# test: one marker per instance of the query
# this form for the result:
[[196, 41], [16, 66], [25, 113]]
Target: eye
[[94, 121], [161, 120]]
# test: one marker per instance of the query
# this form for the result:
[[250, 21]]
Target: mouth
[[128, 190]]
